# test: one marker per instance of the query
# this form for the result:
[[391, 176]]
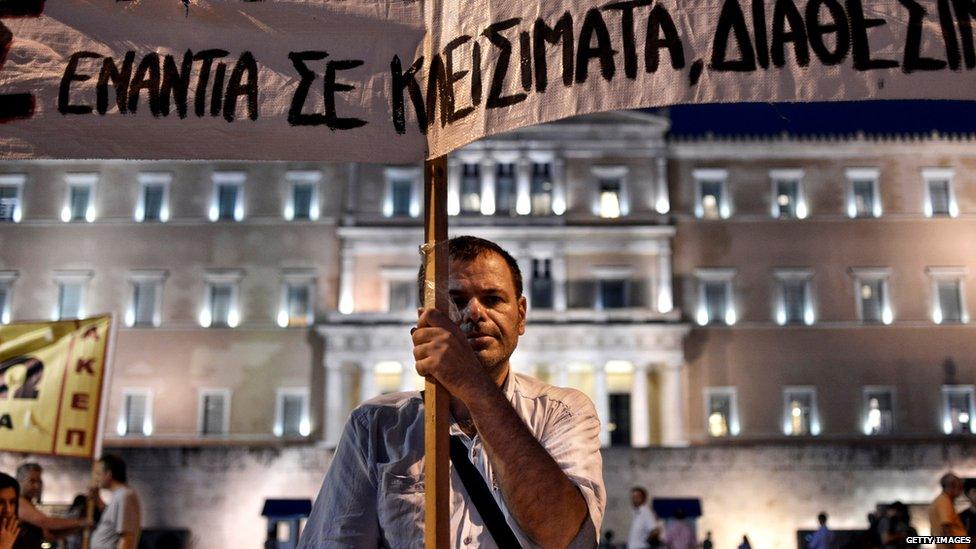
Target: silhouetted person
[[823, 538]]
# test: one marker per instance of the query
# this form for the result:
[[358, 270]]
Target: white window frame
[[712, 174], [295, 178], [814, 410], [777, 175], [733, 419], [147, 421], [143, 276], [391, 274], [393, 173], [7, 279], [943, 274], [73, 180], [227, 178], [968, 390], [213, 391], [82, 277], [939, 174], [867, 390], [863, 274], [715, 275], [297, 277], [619, 173], [224, 276], [279, 422], [781, 276], [153, 178], [17, 180], [862, 174]]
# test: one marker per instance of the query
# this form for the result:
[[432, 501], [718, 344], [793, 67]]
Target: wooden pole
[[109, 358], [437, 479]]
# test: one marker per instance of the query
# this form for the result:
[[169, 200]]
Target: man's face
[[8, 503], [637, 498], [32, 486], [103, 476], [492, 317], [955, 487]]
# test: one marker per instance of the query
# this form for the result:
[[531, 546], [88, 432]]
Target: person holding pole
[[525, 457], [121, 521], [9, 524], [35, 524]]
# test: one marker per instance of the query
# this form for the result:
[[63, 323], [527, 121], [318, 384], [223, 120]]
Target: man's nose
[[473, 310]]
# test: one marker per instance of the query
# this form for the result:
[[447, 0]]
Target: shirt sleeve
[[573, 441], [344, 514], [128, 514]]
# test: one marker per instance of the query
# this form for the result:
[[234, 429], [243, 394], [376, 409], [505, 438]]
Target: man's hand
[[442, 352], [9, 530]]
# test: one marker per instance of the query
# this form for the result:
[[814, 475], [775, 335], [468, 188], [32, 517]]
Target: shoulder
[[567, 400], [388, 407]]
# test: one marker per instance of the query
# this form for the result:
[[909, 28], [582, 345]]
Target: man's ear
[[523, 308]]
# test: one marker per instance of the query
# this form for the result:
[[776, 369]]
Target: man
[[679, 534], [9, 524], [943, 518], [35, 524], [968, 517], [535, 445], [643, 527], [823, 538], [121, 521]]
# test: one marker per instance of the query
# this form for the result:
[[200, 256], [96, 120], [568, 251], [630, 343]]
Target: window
[[879, 416], [619, 421], [297, 295], [72, 290], [721, 412], [793, 302], [871, 291], [302, 202], [715, 297], [153, 204], [80, 201], [612, 286], [214, 409], [611, 198], [948, 305], [221, 306], [136, 414], [957, 410], [6, 294], [470, 188], [147, 295], [291, 413], [940, 198], [505, 189], [228, 196], [540, 188], [788, 200], [402, 192], [863, 199], [712, 200], [541, 289], [800, 411], [11, 190], [402, 296]]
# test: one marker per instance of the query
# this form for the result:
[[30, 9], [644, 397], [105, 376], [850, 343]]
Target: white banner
[[391, 80]]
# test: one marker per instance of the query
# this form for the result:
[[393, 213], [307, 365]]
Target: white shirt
[[373, 493], [641, 527]]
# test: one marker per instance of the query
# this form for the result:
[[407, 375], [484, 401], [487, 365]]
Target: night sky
[[871, 117]]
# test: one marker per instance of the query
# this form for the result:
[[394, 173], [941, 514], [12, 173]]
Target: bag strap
[[484, 502]]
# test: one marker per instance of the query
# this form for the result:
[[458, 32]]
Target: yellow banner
[[50, 385]]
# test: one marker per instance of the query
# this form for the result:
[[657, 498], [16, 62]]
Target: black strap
[[481, 496]]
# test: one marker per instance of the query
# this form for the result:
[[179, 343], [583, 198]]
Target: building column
[[336, 409], [347, 302], [602, 396], [367, 382], [559, 282], [665, 297], [662, 204], [524, 260], [640, 417], [673, 405], [523, 174], [488, 186], [408, 373], [454, 168], [558, 186]]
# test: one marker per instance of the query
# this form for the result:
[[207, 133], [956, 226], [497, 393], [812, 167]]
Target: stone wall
[[767, 490]]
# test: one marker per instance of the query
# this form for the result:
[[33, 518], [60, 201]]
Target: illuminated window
[[297, 297], [153, 204], [400, 284], [948, 305], [221, 309], [291, 413], [302, 202], [72, 293], [794, 304], [873, 299], [136, 414], [611, 196], [80, 200], [863, 199], [146, 299], [788, 200], [712, 200], [505, 189], [957, 410], [541, 288], [540, 188], [940, 199], [11, 191], [6, 294], [402, 192], [800, 411], [721, 412], [879, 416], [715, 305], [471, 188], [228, 196], [214, 409]]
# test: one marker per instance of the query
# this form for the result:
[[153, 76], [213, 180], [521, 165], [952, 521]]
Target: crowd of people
[[112, 524]]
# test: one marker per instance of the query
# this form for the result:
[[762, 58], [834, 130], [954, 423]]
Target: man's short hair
[[25, 470], [116, 466], [640, 489], [947, 479], [468, 248], [7, 481], [822, 518]]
